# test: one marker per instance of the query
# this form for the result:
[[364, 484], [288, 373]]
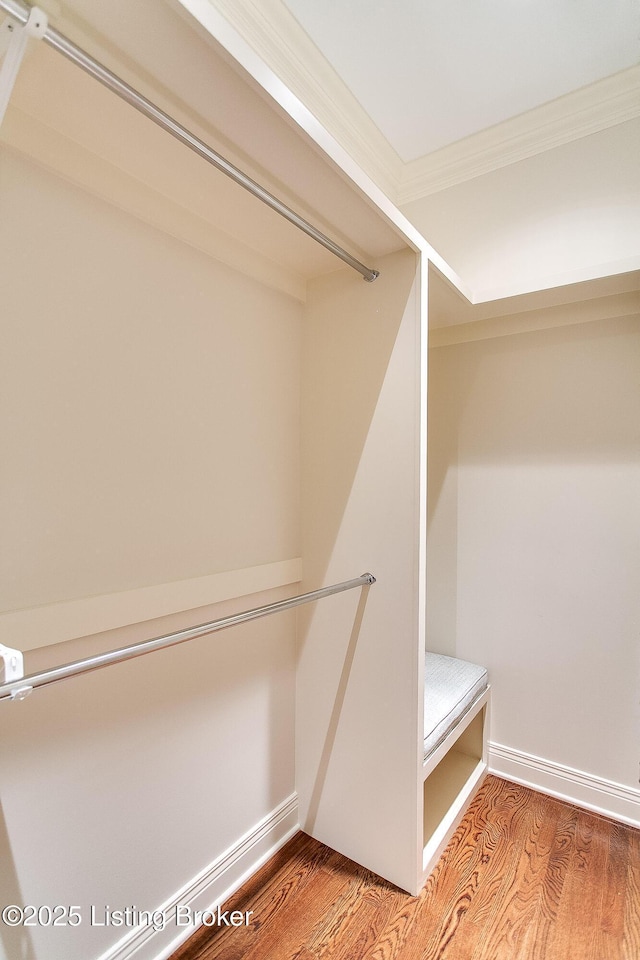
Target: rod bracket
[[13, 43], [13, 663], [37, 24]]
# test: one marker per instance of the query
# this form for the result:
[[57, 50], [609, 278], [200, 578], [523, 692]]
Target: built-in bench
[[456, 701]]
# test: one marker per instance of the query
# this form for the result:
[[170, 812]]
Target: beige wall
[[151, 412], [150, 433], [123, 786], [534, 544]]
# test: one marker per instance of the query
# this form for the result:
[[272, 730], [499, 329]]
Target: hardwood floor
[[525, 877]]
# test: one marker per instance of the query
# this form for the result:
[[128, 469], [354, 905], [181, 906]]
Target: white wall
[[358, 675], [534, 535], [566, 215], [150, 433]]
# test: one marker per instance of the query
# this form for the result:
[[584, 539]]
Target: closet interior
[[206, 411]]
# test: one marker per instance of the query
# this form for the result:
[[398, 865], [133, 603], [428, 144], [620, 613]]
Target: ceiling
[[425, 96], [506, 131], [430, 73]]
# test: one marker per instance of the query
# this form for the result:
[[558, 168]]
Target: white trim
[[586, 790], [578, 114], [277, 37], [582, 274], [233, 40], [252, 38], [212, 886], [275, 34], [612, 307], [57, 622], [420, 547]]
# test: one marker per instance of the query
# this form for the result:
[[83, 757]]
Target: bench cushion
[[450, 687]]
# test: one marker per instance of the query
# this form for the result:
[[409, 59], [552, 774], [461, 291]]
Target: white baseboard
[[211, 887], [565, 783]]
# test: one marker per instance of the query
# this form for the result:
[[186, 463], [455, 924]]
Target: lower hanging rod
[[20, 12], [19, 689]]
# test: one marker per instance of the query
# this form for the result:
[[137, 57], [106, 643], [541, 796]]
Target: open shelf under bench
[[452, 774]]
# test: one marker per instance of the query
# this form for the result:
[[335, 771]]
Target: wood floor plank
[[631, 933], [284, 878], [356, 919], [481, 882], [574, 938], [297, 924], [519, 923], [422, 930], [611, 928], [525, 877], [400, 937]]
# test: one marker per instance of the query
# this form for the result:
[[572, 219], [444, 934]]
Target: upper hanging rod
[[19, 689], [20, 12]]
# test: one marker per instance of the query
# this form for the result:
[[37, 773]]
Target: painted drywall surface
[[151, 412], [534, 543], [120, 787], [357, 678], [564, 215], [151, 399]]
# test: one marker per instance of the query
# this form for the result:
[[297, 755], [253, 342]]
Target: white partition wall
[[358, 672]]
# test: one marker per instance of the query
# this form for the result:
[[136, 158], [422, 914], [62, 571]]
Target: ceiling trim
[[596, 107], [274, 33], [615, 307]]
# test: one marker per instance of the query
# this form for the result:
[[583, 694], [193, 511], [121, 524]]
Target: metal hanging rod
[[20, 12], [20, 688]]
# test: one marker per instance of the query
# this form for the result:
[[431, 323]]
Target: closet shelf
[[103, 75], [19, 689]]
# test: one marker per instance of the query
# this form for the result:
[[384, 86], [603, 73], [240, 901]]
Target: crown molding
[[615, 307], [578, 114], [274, 33], [277, 37]]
